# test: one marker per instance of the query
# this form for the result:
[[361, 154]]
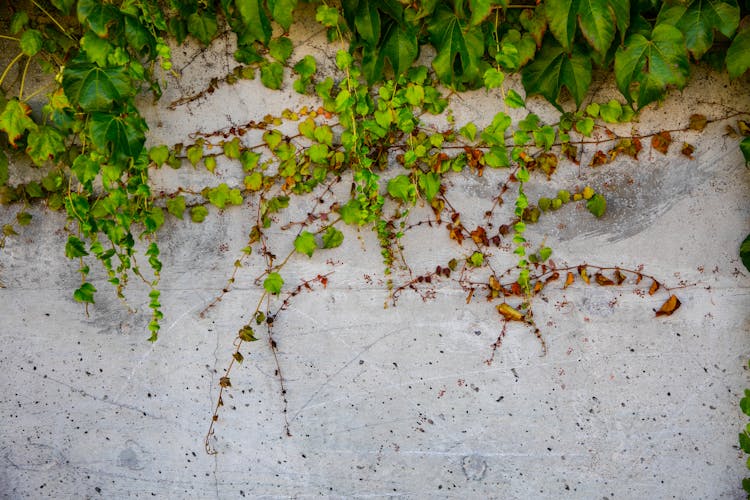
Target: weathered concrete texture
[[398, 401]]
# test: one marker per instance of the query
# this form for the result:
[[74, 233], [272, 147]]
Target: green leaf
[[18, 21], [123, 136], [367, 21], [75, 248], [305, 243], [744, 439], [697, 20], [401, 188], [514, 100], [97, 15], [202, 25], [745, 148], [306, 67], [429, 183], [4, 174], [176, 206], [745, 254], [273, 283], [597, 205], [644, 67], [14, 120], [85, 293], [23, 218], [323, 134], [272, 75], [44, 144], [272, 138], [327, 16], [561, 18], [351, 212], [318, 153], [159, 154], [194, 154], [545, 137], [611, 112], [282, 12], [597, 21], [553, 69], [280, 48], [459, 47], [497, 157], [232, 148], [94, 88], [480, 9], [34, 190], [469, 131], [493, 78], [738, 54], [31, 42], [249, 160], [254, 181], [476, 259], [332, 238], [85, 169], [585, 126], [545, 253], [220, 196], [198, 213], [400, 47]]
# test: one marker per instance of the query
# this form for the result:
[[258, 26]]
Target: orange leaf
[[569, 280], [603, 280], [599, 158], [670, 306], [509, 312], [661, 142], [687, 150], [479, 235], [654, 287], [619, 277], [552, 277]]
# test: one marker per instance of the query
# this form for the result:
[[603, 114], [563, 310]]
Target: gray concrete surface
[[397, 401]]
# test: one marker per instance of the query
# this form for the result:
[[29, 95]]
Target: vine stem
[[23, 78], [10, 65], [64, 31], [6, 37]]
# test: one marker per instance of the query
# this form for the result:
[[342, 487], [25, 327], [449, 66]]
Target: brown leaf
[[600, 158], [654, 287], [570, 152], [548, 163], [584, 274], [697, 122], [603, 280], [661, 142], [494, 284], [619, 277], [479, 235], [224, 382], [687, 150], [509, 312], [552, 277], [538, 287], [569, 280], [670, 306]]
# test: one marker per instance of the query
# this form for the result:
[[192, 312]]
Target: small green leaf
[[306, 67], [745, 148], [318, 153], [273, 283], [198, 213], [121, 136], [272, 75], [351, 212], [97, 49], [738, 54], [254, 181], [611, 112], [31, 42], [332, 238], [429, 183], [23, 218], [323, 134], [476, 259], [497, 157], [272, 138], [176, 206], [159, 154], [280, 48], [18, 21], [327, 16], [34, 190], [597, 205], [232, 148], [194, 154], [282, 12], [545, 253], [400, 48], [14, 120], [469, 131], [305, 243], [745, 254], [85, 293], [514, 100], [202, 25], [401, 188], [94, 88], [44, 143], [585, 126], [493, 78]]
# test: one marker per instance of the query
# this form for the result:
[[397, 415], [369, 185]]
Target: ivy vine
[[88, 137]]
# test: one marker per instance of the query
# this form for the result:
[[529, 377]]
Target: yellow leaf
[[509, 312]]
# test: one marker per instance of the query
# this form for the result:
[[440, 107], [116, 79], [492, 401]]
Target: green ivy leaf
[[597, 205], [272, 138], [34, 190], [476, 259], [280, 48], [544, 137], [327, 16], [98, 16], [480, 9], [497, 157], [697, 20], [400, 47], [493, 78], [94, 88], [430, 184], [221, 195], [137, 36], [459, 47], [273, 283], [305, 243], [545, 253], [367, 21], [318, 153], [159, 154], [249, 160], [535, 22], [44, 144], [14, 120], [514, 100], [23, 218], [122, 135], [351, 212], [202, 25], [745, 253], [85, 169], [282, 12], [18, 21], [745, 148], [272, 75], [595, 17], [306, 66], [85, 293], [176, 206], [553, 69], [645, 67], [332, 238], [232, 148], [401, 188], [75, 248], [254, 181], [194, 154], [31, 42], [198, 213], [738, 54]]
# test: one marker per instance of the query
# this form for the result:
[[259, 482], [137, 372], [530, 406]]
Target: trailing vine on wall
[[86, 133]]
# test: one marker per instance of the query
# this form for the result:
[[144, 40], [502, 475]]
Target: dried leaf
[[552, 277], [599, 159], [238, 357], [654, 287], [224, 382], [495, 284], [697, 122], [538, 287], [619, 277], [661, 142], [744, 127], [603, 280], [569, 280], [570, 151], [670, 306], [687, 150], [479, 235], [584, 274], [509, 312]]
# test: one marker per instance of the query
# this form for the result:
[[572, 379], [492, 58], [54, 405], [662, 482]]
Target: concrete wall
[[397, 401]]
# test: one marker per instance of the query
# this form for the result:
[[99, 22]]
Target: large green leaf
[[367, 21], [459, 47], [120, 135], [203, 26], [94, 88], [595, 17], [400, 48], [138, 36], [44, 144], [257, 24], [697, 20], [644, 67], [99, 16], [14, 120], [553, 68], [282, 10], [738, 54]]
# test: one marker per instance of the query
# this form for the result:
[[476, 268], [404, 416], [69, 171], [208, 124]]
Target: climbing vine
[[87, 136]]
